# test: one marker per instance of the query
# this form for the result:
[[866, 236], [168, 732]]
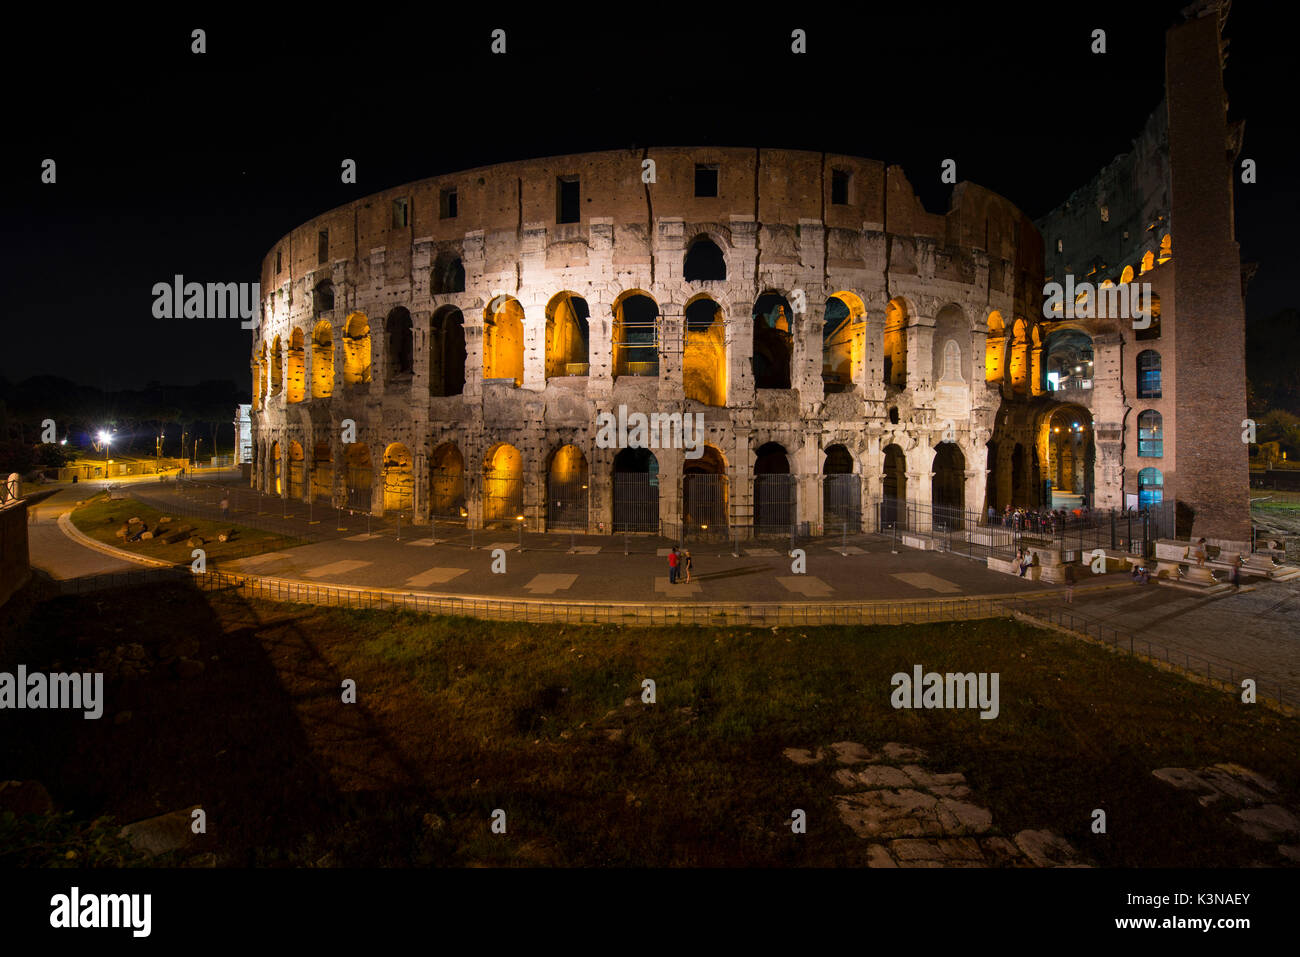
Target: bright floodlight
[[104, 436]]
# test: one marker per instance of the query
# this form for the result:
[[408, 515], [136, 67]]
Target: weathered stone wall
[[779, 232]]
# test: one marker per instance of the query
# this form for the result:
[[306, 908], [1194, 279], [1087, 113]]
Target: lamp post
[[520, 520]]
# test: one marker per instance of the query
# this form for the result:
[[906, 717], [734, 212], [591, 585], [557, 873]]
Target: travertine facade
[[580, 288]]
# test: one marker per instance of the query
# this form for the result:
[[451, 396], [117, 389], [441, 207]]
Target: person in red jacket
[[672, 565]]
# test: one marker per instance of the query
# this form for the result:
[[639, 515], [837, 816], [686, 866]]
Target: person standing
[[225, 506], [672, 565], [686, 565], [1069, 584]]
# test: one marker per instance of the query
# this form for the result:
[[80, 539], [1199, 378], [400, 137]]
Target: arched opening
[[296, 378], [1020, 357], [568, 336], [1148, 374], [1126, 276], [277, 482], [635, 337], [841, 492], [277, 367], [774, 491], [893, 504], [447, 482], [322, 297], [359, 475], [636, 491], [503, 486], [447, 352], [322, 361], [704, 362], [894, 372], [567, 489], [705, 494], [1152, 331], [1071, 455], [448, 274], [704, 261], [773, 341], [1151, 441], [356, 350], [297, 471], [503, 341], [948, 486], [995, 349], [322, 473], [399, 479], [1148, 261], [841, 355], [1150, 487], [1069, 362], [401, 344]]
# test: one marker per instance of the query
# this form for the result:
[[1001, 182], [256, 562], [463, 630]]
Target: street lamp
[[520, 520]]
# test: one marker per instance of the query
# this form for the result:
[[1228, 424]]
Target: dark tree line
[[139, 416]]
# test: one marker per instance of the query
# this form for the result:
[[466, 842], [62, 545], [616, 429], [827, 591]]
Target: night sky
[[174, 163]]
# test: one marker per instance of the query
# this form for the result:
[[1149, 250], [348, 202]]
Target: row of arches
[[635, 346], [634, 484]]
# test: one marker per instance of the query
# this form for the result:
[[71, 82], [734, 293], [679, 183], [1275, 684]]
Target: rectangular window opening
[[568, 208], [706, 179], [839, 187], [401, 214], [447, 204], [322, 246]]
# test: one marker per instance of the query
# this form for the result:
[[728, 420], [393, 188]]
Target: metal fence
[[775, 505], [842, 501], [1001, 535], [636, 502], [566, 503]]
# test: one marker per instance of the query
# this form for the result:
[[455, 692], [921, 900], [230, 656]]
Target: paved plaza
[[1252, 632]]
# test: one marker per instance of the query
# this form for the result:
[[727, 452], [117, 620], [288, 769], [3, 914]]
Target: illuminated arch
[[568, 336], [503, 340], [356, 350], [704, 357], [295, 386], [322, 361]]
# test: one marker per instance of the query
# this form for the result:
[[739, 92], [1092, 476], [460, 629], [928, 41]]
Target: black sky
[[174, 163]]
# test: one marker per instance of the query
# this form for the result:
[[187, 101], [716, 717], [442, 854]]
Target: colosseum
[[447, 348]]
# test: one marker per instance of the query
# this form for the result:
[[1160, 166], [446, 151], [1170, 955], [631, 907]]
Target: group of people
[[1046, 520], [679, 564]]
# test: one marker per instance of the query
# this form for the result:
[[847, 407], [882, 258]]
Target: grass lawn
[[458, 717], [100, 518]]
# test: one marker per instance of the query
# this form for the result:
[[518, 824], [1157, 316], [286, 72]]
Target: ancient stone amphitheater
[[446, 347]]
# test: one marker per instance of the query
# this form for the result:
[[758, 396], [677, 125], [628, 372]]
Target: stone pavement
[[1253, 633], [914, 817], [600, 570]]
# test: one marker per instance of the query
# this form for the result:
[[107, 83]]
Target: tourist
[[1199, 552], [1025, 560], [225, 506], [1069, 584], [686, 565], [993, 514], [672, 565], [1236, 576]]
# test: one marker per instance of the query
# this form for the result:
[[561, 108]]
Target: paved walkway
[[57, 555], [1253, 632]]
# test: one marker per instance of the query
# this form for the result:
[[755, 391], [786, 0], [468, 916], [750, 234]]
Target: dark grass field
[[457, 717]]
